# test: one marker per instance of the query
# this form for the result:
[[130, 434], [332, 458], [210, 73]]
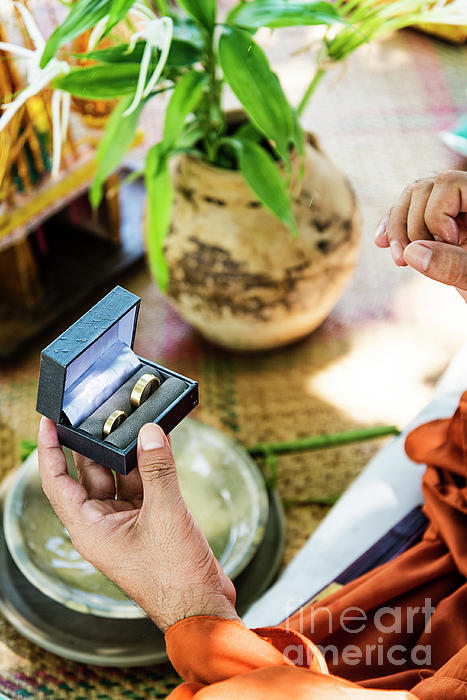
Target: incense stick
[[33, 141]]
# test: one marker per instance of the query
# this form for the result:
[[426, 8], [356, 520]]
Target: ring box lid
[[111, 320]]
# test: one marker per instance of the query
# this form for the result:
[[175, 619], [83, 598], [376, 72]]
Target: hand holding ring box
[[91, 372]]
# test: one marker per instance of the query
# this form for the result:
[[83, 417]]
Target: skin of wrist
[[188, 606]]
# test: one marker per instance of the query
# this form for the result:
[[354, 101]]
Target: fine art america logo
[[389, 621]]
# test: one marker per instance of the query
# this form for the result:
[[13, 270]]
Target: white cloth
[[100, 381], [387, 490]]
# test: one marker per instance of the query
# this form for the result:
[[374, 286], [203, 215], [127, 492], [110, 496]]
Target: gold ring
[[144, 387], [113, 421]]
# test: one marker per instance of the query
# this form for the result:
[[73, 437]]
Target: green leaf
[[204, 11], [114, 54], [248, 73], [83, 15], [118, 11], [100, 82], [248, 131], [261, 172], [186, 28], [185, 97], [190, 136], [118, 136], [181, 53], [277, 13], [159, 190]]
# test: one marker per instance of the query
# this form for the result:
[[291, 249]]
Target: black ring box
[[116, 311]]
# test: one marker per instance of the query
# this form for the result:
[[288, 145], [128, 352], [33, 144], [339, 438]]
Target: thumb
[[441, 261], [156, 465]]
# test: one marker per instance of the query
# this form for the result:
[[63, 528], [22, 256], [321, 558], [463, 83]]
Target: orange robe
[[399, 628]]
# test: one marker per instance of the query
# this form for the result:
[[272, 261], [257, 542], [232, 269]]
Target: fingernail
[[381, 237], [397, 251], [151, 437], [382, 226], [418, 256]]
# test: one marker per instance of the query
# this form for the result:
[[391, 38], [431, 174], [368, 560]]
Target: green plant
[[184, 47]]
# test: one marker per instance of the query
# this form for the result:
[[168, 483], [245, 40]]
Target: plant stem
[[318, 442], [310, 90], [211, 115]]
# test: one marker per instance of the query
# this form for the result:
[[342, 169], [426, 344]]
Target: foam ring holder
[[90, 371]]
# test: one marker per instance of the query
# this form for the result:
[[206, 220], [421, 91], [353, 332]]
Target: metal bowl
[[221, 484]]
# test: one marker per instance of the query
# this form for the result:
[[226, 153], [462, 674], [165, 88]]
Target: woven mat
[[375, 360]]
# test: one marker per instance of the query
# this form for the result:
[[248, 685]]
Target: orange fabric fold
[[424, 589], [448, 683], [223, 660], [205, 650], [285, 683], [399, 628]]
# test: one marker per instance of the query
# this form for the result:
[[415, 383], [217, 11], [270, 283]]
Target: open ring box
[[89, 372]]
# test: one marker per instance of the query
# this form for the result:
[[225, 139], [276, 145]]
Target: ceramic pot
[[237, 274]]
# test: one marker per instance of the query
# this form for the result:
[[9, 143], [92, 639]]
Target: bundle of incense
[[23, 157], [22, 150], [31, 107]]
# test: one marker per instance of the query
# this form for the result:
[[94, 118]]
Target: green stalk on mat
[[319, 442], [317, 501], [26, 447], [137, 50], [269, 451]]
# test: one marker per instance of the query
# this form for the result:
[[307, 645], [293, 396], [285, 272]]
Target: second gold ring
[[144, 387]]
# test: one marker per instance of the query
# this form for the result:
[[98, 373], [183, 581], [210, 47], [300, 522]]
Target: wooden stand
[[38, 286], [19, 274]]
